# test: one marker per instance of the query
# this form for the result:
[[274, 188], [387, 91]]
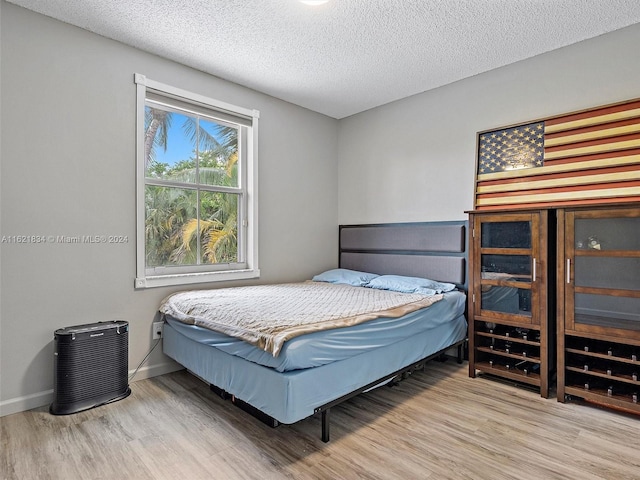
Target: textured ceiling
[[346, 56]]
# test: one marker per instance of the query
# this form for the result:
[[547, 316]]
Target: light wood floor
[[438, 424]]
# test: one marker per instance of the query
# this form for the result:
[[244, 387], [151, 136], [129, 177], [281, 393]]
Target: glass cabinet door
[[603, 271], [507, 255]]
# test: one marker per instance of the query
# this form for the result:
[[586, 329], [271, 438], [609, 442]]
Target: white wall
[[68, 166], [414, 159]]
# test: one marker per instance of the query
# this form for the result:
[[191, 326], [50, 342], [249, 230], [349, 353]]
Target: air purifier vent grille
[[90, 366]]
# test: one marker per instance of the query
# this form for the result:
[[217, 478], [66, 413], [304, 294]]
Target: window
[[196, 188]]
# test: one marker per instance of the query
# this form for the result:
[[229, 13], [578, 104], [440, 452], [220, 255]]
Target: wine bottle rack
[[509, 352], [603, 372]]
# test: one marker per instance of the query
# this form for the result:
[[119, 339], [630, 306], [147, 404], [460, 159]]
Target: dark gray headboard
[[435, 250]]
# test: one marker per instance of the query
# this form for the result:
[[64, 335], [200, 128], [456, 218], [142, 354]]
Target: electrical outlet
[[157, 330]]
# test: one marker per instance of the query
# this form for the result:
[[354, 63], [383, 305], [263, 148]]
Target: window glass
[[506, 267], [506, 235]]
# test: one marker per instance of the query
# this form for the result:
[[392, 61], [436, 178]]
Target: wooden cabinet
[[599, 303], [509, 301]]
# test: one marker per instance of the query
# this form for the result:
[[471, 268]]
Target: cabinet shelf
[[515, 356], [603, 356], [514, 320], [602, 374], [607, 253], [509, 338], [600, 397], [512, 374]]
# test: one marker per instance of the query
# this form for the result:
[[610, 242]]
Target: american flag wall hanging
[[588, 157]]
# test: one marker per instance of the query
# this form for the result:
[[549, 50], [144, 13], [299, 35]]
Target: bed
[[284, 377]]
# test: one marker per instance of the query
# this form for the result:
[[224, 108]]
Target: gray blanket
[[268, 315]]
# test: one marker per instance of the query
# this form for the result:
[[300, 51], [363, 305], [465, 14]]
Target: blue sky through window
[[179, 146]]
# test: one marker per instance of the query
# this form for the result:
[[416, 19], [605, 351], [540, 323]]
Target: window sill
[[191, 278]]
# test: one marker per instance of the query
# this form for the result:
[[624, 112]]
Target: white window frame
[[248, 221]]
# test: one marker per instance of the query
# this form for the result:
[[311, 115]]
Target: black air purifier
[[90, 366]]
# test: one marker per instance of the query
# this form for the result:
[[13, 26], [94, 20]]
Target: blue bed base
[[291, 396]]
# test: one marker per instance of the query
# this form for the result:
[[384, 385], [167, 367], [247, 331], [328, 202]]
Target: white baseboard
[[40, 399], [25, 402], [155, 370]]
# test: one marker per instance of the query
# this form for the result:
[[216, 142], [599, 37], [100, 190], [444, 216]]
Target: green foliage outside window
[[191, 210]]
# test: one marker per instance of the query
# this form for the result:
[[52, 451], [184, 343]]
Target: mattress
[[328, 346]]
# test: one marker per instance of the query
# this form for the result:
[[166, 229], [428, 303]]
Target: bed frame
[[436, 250]]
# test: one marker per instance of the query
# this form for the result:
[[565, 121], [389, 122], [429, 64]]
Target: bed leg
[[325, 425], [460, 353]]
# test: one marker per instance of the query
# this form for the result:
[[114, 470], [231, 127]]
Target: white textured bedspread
[[268, 315]]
